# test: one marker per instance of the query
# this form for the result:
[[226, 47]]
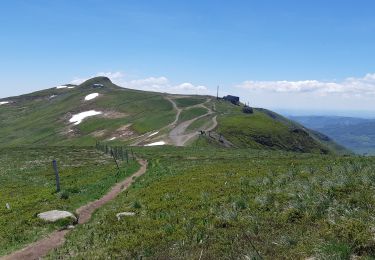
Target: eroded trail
[[57, 238], [85, 212], [178, 111], [178, 135]]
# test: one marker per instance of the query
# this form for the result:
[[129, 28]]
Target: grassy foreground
[[28, 186], [200, 203]]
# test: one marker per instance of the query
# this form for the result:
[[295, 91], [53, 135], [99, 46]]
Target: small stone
[[124, 214], [70, 227], [55, 215], [7, 206]]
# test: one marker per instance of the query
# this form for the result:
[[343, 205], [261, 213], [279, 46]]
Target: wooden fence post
[[54, 163], [114, 158]]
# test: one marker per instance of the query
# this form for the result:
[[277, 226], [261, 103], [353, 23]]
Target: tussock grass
[[236, 204]]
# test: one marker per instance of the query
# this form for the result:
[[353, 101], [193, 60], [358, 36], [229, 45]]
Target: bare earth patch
[[99, 133], [124, 132], [114, 114]]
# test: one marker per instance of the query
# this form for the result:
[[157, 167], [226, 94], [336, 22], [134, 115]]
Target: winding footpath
[[41, 248], [178, 135]]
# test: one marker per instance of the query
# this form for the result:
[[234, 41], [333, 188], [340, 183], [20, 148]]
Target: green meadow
[[203, 203], [28, 186]]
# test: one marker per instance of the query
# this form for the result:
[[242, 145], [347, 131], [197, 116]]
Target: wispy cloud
[[160, 84], [349, 87], [112, 75]]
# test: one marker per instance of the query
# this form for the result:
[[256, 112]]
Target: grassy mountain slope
[[139, 117], [39, 119], [267, 129]]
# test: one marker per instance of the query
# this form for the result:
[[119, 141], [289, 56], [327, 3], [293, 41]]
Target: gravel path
[[41, 248], [178, 135]]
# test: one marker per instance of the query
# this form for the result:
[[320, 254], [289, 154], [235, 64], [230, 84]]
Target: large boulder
[[55, 215]]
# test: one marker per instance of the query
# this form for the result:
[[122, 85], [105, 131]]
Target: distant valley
[[357, 134]]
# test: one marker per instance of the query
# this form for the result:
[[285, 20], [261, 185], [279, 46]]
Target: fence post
[[114, 158], [132, 154], [127, 157], [54, 163]]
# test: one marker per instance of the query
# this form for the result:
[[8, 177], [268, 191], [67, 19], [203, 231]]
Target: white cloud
[[159, 84], [356, 87], [189, 87], [77, 80], [151, 83], [112, 75]]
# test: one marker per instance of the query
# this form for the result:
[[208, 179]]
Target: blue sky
[[290, 54]]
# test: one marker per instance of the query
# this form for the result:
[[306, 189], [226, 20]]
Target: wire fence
[[117, 152]]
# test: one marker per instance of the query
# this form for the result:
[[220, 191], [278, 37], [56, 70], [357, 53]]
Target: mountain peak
[[104, 81]]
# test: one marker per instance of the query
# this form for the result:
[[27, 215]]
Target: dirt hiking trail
[[41, 248], [178, 135]]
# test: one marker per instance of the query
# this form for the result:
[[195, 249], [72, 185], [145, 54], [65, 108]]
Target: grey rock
[[55, 215], [124, 214]]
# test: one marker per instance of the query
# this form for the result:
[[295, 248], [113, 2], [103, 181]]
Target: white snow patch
[[53, 96], [91, 96], [156, 143], [155, 133], [78, 118], [4, 102], [63, 86], [113, 138]]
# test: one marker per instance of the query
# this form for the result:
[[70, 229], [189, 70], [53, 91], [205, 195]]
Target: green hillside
[[133, 117], [202, 203], [252, 186]]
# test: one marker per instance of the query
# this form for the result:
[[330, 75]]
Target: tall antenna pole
[[217, 93]]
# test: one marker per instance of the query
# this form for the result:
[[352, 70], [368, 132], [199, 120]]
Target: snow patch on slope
[[78, 118], [4, 102], [91, 96], [155, 133], [156, 143], [63, 86]]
